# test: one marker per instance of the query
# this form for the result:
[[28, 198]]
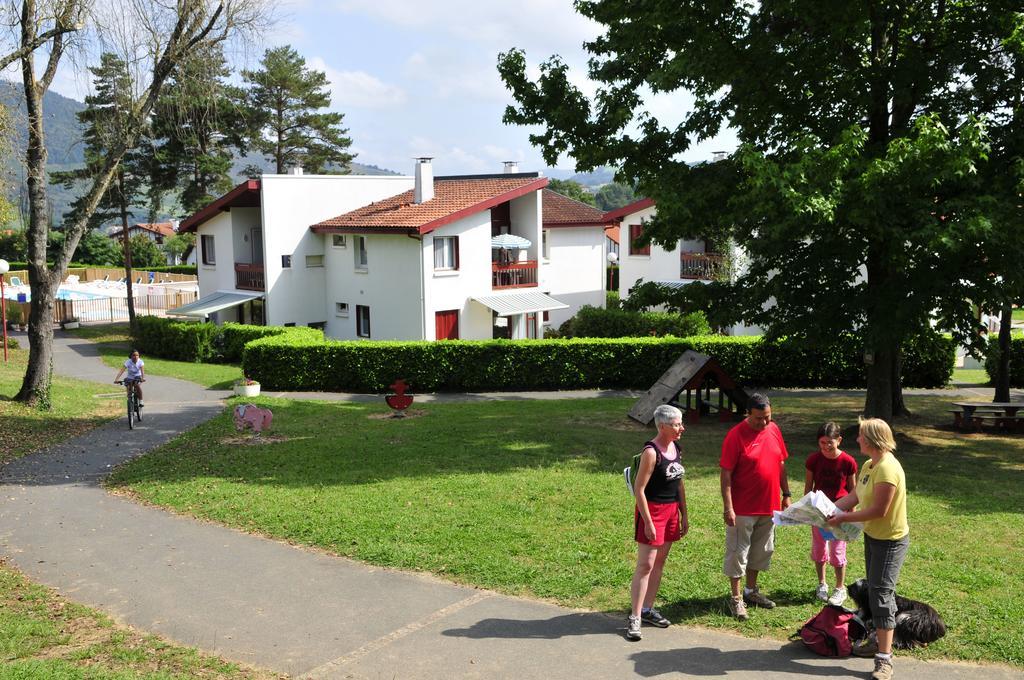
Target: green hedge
[[289, 362], [207, 342], [1016, 358], [613, 322]]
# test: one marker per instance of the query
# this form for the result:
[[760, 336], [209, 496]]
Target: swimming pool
[[13, 293]]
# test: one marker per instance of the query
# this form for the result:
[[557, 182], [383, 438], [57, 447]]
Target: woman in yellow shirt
[[880, 502]]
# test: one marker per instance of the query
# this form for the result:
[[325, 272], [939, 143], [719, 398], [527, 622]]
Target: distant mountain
[[592, 180], [65, 149]]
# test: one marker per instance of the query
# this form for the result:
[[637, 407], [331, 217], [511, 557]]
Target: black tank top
[[663, 486]]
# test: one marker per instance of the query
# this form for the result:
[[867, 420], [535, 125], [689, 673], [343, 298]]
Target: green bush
[[179, 340], [206, 342], [12, 343], [1016, 358], [594, 322], [291, 362]]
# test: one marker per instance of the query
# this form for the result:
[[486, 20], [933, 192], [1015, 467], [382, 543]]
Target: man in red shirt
[[753, 472]]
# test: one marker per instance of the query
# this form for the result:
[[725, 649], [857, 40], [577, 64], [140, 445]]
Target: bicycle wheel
[[131, 413], [138, 410]]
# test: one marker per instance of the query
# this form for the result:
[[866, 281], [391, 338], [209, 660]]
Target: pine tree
[[195, 125], [281, 105]]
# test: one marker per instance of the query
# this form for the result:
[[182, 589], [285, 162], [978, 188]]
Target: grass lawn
[[527, 498], [1018, 315], [42, 635], [970, 376], [115, 343], [75, 409]]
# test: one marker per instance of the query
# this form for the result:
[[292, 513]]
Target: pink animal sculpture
[[256, 417]]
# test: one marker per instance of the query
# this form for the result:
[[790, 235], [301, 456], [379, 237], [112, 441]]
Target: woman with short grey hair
[[659, 518]]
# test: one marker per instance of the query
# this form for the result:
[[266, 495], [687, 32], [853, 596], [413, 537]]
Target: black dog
[[917, 623]]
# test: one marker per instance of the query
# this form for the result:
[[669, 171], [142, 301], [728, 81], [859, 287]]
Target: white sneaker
[[633, 628], [822, 592], [838, 597]]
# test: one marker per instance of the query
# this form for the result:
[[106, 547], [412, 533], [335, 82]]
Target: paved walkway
[[316, 616]]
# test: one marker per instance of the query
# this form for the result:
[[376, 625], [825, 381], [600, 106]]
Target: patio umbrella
[[509, 241]]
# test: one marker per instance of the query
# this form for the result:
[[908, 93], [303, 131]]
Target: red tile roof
[[612, 232], [159, 228], [562, 211], [245, 195], [618, 214], [454, 198]]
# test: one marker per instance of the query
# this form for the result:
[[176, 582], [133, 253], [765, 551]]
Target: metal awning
[[510, 304], [213, 302]]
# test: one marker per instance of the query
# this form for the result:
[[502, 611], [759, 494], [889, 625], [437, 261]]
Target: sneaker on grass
[[633, 628], [822, 592], [756, 599], [838, 597], [654, 617], [738, 609]]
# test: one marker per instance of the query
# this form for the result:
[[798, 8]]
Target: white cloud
[[529, 24], [358, 88], [453, 74]]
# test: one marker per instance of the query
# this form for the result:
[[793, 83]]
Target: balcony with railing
[[249, 276], [705, 266], [514, 275]]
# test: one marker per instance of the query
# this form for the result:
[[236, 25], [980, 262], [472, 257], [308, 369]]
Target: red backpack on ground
[[831, 632]]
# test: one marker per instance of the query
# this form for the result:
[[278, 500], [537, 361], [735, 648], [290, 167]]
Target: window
[[446, 325], [362, 321], [446, 252], [341, 309], [361, 257], [286, 262], [545, 244], [209, 256], [635, 232], [319, 325], [339, 240], [314, 260]]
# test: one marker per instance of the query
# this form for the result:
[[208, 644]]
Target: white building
[[574, 253], [690, 262], [154, 231], [387, 258]]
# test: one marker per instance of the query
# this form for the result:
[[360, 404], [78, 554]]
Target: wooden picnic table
[[969, 413]]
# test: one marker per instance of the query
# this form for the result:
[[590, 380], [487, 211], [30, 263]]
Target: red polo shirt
[[755, 459]]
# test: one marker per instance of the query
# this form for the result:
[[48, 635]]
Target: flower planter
[[70, 325], [252, 390]]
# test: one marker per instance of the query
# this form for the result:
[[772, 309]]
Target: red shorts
[[666, 523]]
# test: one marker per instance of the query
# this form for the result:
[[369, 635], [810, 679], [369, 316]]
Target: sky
[[417, 78]]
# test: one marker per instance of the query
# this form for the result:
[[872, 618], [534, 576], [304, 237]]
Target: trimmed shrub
[[180, 340], [594, 322], [203, 342], [1016, 358], [291, 362]]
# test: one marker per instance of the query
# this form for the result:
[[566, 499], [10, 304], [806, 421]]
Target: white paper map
[[814, 509]]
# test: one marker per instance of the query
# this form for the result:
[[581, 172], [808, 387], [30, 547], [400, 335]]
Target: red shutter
[[446, 325]]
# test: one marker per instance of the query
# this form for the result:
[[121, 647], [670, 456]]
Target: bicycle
[[134, 412]]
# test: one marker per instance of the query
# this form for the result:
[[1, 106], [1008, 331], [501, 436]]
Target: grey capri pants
[[883, 560]]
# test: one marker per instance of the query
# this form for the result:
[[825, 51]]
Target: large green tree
[[196, 123], [108, 124], [283, 107], [158, 36], [573, 190], [862, 127]]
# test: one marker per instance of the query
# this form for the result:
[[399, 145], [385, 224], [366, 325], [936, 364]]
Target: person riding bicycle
[[134, 374]]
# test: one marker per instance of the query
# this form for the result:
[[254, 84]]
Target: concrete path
[[312, 615]]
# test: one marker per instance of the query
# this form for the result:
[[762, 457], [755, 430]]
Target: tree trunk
[[881, 371], [35, 386], [132, 324], [1003, 365]]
